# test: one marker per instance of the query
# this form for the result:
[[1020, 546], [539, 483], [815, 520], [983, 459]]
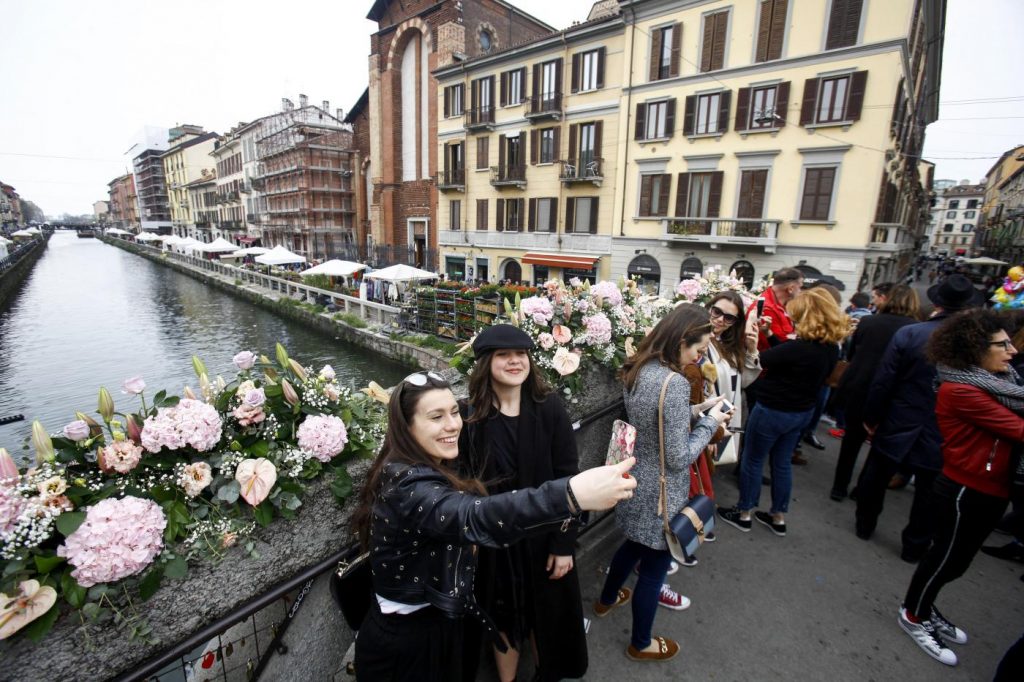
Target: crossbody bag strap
[[663, 482]]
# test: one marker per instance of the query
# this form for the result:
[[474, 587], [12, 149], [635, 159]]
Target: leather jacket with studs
[[423, 531]]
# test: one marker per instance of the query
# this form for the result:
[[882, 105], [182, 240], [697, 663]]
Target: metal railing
[[582, 169], [545, 105], [508, 175], [19, 252], [480, 117], [452, 178], [729, 228]]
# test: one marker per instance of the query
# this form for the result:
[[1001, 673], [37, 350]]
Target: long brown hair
[[481, 391], [687, 324], [902, 300], [401, 446], [732, 345]]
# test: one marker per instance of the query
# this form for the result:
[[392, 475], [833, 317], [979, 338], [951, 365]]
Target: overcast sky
[[82, 78]]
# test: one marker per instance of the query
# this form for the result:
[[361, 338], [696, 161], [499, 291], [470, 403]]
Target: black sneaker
[[926, 637], [766, 518], [732, 517], [947, 630], [837, 495]]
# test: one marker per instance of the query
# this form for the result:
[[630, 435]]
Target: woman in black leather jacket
[[419, 521]]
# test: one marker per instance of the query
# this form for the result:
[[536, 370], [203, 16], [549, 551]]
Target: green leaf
[[341, 486], [176, 568], [38, 628], [97, 591], [68, 522], [92, 610], [13, 567], [74, 593], [171, 401], [179, 512], [264, 513], [150, 582], [259, 449], [158, 399], [170, 530], [229, 492], [45, 564]]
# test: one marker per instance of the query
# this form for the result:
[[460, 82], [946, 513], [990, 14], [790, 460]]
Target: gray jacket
[[638, 516]]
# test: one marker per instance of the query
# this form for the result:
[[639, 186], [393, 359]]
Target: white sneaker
[[672, 567], [925, 636], [947, 630], [671, 599]]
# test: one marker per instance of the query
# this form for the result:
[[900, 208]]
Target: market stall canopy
[[169, 239], [217, 245], [279, 256], [22, 233], [401, 273], [5, 240], [147, 237], [187, 243], [251, 251], [34, 230], [984, 260], [334, 268], [117, 230]]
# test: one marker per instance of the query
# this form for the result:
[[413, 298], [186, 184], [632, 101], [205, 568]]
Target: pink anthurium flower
[[21, 608], [561, 333], [8, 469], [256, 477]]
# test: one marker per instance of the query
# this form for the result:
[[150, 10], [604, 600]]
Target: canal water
[[92, 315]]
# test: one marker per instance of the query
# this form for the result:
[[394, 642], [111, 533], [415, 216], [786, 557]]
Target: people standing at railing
[[517, 434], [420, 521]]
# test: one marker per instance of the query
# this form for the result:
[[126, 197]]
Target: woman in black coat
[[867, 347], [518, 435]]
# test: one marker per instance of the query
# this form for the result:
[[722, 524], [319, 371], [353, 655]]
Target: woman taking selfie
[[677, 340], [419, 520], [517, 435]]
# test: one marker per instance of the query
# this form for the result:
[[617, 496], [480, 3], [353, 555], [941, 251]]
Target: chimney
[[286, 104], [303, 101], [339, 113], [326, 107]]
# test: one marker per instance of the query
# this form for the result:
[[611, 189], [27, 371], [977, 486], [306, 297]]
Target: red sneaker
[[837, 433]]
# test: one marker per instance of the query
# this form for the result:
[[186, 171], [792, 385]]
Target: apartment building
[[1001, 229], [229, 222], [184, 162], [10, 208], [203, 203], [151, 191], [761, 134], [527, 147], [124, 213], [955, 216]]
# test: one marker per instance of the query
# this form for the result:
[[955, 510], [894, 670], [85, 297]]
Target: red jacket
[[782, 326], [977, 435]]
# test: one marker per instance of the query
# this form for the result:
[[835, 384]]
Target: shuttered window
[[666, 42], [455, 214], [712, 55], [833, 100], [654, 190], [453, 101], [704, 197], [513, 87], [543, 214], [816, 203], [510, 215], [753, 184], [655, 120], [771, 30], [707, 114], [843, 23], [588, 70], [481, 214], [581, 214], [483, 156]]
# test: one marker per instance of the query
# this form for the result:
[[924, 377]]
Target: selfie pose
[[419, 520], [518, 435]]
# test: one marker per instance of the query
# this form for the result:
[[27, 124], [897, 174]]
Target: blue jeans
[[775, 433], [653, 568], [819, 409]]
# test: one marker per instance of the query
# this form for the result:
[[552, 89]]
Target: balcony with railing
[[480, 118], [522, 238], [452, 180], [890, 237], [583, 169], [718, 231], [544, 107], [509, 176]]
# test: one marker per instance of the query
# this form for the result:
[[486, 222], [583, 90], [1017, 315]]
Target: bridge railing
[[14, 256]]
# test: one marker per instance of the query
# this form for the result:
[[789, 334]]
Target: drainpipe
[[629, 112]]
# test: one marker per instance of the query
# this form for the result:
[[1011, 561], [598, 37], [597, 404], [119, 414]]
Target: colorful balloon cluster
[[1011, 294]]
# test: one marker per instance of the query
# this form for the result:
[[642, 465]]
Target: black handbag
[[352, 586], [685, 532]]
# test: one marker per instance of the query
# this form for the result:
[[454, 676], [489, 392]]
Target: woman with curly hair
[[980, 413], [794, 373]]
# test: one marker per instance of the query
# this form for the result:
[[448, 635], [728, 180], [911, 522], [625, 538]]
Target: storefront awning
[[561, 260]]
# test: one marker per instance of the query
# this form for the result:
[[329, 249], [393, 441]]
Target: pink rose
[[133, 386], [120, 456], [255, 398], [244, 360], [546, 341], [247, 415], [76, 430]]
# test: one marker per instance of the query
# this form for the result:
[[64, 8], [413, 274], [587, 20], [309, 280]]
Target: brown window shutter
[[715, 194], [447, 156], [482, 152], [688, 116], [490, 102], [481, 214], [742, 110], [718, 47], [522, 84], [532, 224], [724, 104], [556, 149], [677, 46], [474, 94], [708, 43], [570, 213], [534, 146], [752, 189], [574, 133], [682, 194], [764, 26], [896, 114], [503, 89], [843, 23], [781, 103], [594, 205], [670, 118], [810, 101], [641, 122], [645, 194], [447, 102], [598, 131], [501, 152], [743, 210], [855, 101], [522, 212], [553, 218], [499, 216], [655, 54], [600, 67], [664, 187], [558, 76], [535, 85], [575, 72], [778, 29]]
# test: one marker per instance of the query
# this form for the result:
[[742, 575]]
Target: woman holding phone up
[[419, 520]]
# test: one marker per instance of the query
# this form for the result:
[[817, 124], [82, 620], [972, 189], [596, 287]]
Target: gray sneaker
[[926, 637], [947, 630]]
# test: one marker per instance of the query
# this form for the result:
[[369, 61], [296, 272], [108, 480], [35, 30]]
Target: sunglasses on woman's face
[[420, 378], [718, 312]]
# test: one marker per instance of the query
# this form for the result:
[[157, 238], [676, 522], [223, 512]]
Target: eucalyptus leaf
[[176, 568], [264, 513], [229, 492], [150, 582], [74, 593]]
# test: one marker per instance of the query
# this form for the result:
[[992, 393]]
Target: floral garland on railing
[[111, 509]]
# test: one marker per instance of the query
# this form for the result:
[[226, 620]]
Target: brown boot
[[667, 648]]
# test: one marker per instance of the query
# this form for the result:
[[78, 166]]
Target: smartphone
[[760, 307], [735, 429], [727, 406], [622, 442]]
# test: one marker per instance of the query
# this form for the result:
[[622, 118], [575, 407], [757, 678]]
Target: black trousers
[[1011, 668], [425, 646], [964, 518], [849, 449], [871, 487]]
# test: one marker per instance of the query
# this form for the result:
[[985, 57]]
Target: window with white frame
[[706, 115], [544, 212], [832, 99], [547, 145], [588, 70], [969, 214], [656, 118], [967, 228], [762, 107], [515, 87], [950, 214]]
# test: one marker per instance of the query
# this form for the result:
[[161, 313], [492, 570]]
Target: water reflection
[[90, 314]]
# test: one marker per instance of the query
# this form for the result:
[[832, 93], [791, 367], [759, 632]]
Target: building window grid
[[515, 87]]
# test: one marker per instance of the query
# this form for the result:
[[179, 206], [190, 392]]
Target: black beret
[[501, 336]]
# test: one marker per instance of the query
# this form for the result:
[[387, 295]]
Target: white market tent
[[401, 273], [22, 233], [34, 230], [280, 256], [5, 240], [169, 239], [187, 244], [147, 237], [117, 230], [984, 260], [334, 268], [218, 245], [251, 251]]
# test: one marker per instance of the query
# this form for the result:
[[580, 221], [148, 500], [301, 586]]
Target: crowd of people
[[471, 511]]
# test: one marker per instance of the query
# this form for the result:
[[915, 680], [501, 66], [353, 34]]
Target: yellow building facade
[[187, 160], [528, 143]]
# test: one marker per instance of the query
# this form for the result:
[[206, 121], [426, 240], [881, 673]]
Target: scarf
[[1004, 387]]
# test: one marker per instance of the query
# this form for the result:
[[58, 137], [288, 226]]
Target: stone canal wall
[[16, 266]]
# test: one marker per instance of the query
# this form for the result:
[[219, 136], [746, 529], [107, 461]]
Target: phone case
[[622, 442]]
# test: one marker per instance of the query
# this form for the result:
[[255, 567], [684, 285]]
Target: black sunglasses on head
[[718, 312]]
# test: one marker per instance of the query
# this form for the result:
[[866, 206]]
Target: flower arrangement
[[115, 505], [701, 289]]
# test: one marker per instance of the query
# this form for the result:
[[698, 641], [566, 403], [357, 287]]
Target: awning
[[561, 260]]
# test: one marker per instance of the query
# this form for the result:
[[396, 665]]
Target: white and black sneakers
[[947, 630], [927, 636]]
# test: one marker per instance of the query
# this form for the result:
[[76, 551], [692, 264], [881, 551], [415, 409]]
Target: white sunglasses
[[420, 378]]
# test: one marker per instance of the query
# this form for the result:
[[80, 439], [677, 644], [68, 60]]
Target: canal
[[92, 315]]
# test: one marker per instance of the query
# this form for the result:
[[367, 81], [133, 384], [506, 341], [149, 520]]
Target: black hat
[[955, 293], [501, 336]]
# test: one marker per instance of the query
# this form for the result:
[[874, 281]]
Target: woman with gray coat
[[679, 339]]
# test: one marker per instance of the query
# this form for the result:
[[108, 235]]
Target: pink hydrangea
[[546, 341], [609, 291], [189, 423], [538, 308], [120, 456], [322, 436], [689, 289], [119, 538], [599, 328]]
